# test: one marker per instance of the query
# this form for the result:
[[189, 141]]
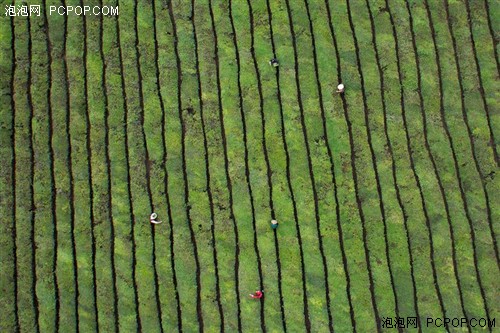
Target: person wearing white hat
[[340, 88], [274, 224], [152, 218]]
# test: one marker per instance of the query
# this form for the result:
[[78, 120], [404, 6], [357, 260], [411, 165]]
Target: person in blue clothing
[[274, 224]]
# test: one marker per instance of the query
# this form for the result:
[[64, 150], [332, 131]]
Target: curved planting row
[[247, 169]]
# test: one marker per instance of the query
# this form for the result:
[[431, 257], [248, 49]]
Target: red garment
[[258, 294]]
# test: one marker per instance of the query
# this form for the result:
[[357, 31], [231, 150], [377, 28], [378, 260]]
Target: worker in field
[[340, 88], [258, 294], [274, 62], [274, 224], [153, 217]]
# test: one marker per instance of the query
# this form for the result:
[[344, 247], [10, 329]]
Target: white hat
[[153, 216], [340, 86]]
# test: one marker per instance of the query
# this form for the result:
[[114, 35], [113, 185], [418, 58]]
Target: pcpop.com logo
[[85, 10], [460, 322]]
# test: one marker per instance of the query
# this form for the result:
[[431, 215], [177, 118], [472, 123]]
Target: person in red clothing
[[258, 294]]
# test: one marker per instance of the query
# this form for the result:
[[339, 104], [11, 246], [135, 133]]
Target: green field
[[387, 196]]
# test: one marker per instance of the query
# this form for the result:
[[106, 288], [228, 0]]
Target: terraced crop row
[[386, 195]]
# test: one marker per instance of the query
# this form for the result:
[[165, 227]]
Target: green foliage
[[91, 153]]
